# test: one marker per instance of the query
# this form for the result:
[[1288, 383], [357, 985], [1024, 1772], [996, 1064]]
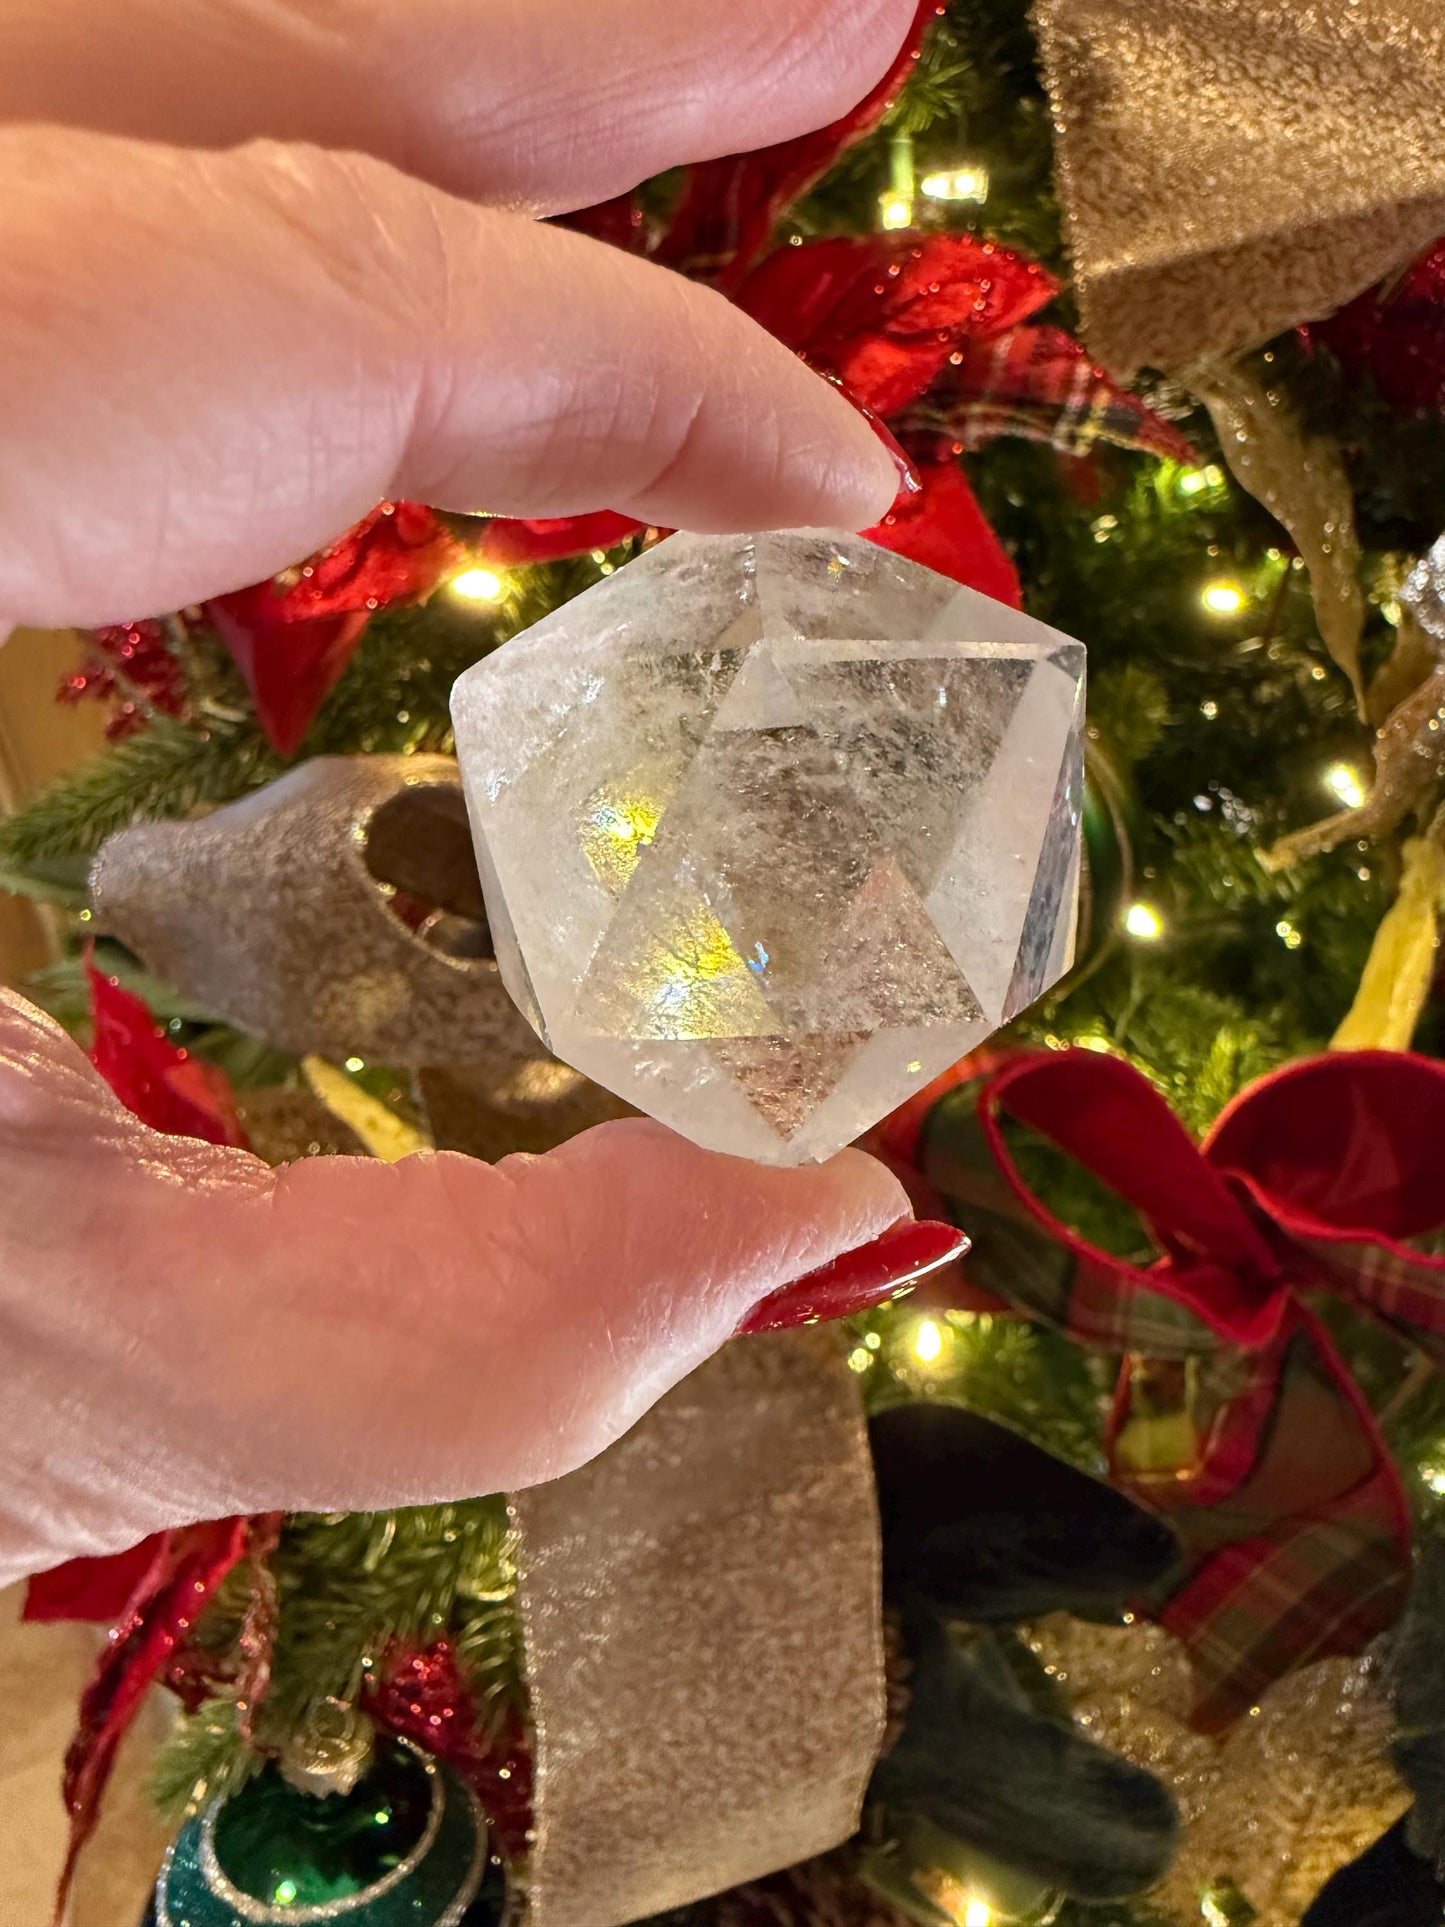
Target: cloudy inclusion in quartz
[[773, 829]]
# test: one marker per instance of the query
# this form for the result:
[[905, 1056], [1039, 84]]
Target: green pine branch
[[1021, 1374], [168, 770], [204, 1758], [350, 1588]]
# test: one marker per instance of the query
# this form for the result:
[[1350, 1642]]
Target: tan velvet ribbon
[[704, 1639], [1229, 168]]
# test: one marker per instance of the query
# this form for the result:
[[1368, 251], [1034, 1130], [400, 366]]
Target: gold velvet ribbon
[[704, 1639], [276, 915], [1229, 168]]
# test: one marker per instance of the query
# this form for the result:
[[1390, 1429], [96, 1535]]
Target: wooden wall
[[42, 1668]]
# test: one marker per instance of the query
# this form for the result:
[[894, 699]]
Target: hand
[[211, 361], [186, 1333], [214, 360]]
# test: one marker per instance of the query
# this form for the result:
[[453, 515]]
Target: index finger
[[211, 364]]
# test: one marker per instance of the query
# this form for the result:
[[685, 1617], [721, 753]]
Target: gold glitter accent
[[1229, 168], [704, 1635], [1301, 480], [1291, 1794], [332, 1753]]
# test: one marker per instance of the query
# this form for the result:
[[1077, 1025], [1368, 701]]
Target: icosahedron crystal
[[775, 828]]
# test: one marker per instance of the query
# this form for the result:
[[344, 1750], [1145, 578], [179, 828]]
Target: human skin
[[268, 262]]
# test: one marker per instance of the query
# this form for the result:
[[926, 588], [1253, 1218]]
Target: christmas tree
[[1124, 1576]]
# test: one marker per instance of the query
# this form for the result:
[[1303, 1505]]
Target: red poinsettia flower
[[293, 636], [1395, 334]]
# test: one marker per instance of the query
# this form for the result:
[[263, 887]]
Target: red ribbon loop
[[1292, 1514]]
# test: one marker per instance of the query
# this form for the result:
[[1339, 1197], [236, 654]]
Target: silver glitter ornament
[[273, 915]]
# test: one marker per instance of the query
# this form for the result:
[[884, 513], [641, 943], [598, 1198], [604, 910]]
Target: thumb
[[190, 1334]]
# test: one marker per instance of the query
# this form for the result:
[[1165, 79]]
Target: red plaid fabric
[[1041, 384], [1295, 1527]]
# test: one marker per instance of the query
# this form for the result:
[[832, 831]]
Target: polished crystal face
[[773, 829]]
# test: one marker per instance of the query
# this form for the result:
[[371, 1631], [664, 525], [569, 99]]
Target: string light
[[895, 207], [1222, 597], [1344, 783], [1434, 1477], [285, 1893], [477, 585], [1195, 481], [968, 182], [1141, 920], [1287, 934], [928, 1341], [978, 1913]]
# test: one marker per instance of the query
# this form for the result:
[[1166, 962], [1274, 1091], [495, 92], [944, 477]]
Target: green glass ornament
[[406, 1848]]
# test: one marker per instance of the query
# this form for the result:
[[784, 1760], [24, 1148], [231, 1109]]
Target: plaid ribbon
[[1041, 384], [1295, 1526]]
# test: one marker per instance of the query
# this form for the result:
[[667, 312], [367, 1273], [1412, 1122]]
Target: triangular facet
[[765, 827], [917, 737], [786, 1079], [666, 967], [760, 697], [984, 893], [887, 966], [1046, 944], [621, 819]]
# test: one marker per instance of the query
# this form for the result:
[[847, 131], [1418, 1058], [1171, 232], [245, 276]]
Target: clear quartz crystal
[[773, 829]]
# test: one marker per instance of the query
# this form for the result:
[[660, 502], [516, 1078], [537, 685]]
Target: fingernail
[[885, 1268], [910, 481]]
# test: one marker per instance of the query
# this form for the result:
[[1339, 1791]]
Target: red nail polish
[[885, 1268], [908, 475], [911, 482]]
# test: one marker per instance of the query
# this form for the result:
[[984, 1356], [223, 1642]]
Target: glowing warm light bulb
[[978, 1913], [927, 1341], [1222, 598], [1141, 920], [1288, 935], [1194, 481], [477, 585], [895, 211], [966, 183], [1346, 785]]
